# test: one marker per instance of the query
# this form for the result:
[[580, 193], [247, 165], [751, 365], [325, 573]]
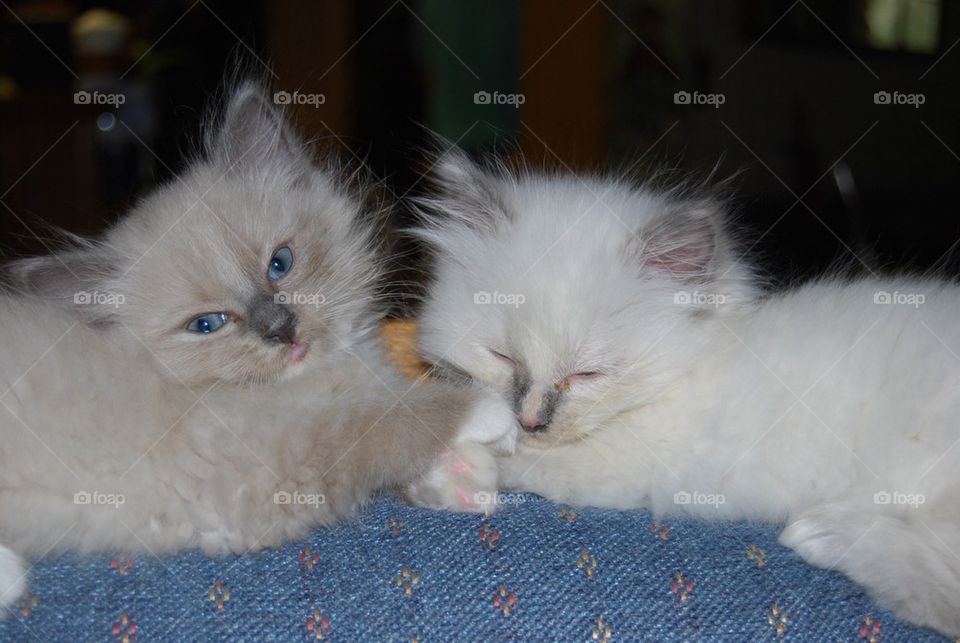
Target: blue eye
[[280, 263], [208, 323]]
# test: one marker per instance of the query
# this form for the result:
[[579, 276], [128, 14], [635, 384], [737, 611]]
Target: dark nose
[[285, 334], [273, 321], [532, 427]]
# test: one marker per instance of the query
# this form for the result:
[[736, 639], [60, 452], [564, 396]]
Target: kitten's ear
[[253, 134], [81, 279], [685, 242], [464, 194]]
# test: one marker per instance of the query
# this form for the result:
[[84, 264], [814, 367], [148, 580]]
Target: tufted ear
[[253, 134], [686, 241], [81, 279], [463, 194]]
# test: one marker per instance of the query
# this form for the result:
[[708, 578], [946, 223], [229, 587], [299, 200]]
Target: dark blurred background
[[842, 114]]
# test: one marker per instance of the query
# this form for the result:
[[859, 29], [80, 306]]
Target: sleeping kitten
[[207, 374], [647, 370]]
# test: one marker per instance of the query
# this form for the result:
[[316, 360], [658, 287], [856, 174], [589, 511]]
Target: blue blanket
[[533, 571]]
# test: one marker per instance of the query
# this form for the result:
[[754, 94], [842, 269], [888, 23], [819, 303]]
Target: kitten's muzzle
[[274, 322], [534, 404]]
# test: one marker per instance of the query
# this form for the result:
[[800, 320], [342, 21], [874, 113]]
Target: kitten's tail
[[13, 580], [909, 563]]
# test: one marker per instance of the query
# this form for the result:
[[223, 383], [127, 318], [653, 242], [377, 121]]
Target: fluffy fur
[[648, 371], [121, 429]]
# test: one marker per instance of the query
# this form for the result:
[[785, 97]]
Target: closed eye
[[584, 376], [501, 356]]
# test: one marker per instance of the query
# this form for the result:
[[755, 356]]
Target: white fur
[[490, 423], [797, 408], [122, 430], [467, 475], [13, 579], [466, 480]]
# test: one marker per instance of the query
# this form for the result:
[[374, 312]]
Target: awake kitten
[[207, 374], [647, 371]]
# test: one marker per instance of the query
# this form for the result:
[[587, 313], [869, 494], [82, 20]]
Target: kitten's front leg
[[906, 559], [465, 476], [603, 473], [545, 473]]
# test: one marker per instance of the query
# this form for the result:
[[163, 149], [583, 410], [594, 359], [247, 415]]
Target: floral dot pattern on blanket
[[532, 571]]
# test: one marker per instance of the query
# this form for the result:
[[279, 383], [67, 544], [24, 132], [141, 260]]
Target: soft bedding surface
[[533, 571]]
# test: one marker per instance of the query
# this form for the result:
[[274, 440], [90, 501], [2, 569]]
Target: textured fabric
[[533, 571]]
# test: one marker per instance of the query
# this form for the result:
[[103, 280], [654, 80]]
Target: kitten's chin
[[297, 352], [296, 360]]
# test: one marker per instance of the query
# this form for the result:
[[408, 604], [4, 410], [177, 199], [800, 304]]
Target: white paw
[[13, 579], [514, 472], [823, 536], [218, 542], [464, 478], [491, 422]]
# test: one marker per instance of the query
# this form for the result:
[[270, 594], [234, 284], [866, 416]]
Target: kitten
[[647, 370], [207, 374]]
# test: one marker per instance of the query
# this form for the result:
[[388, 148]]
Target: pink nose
[[532, 425]]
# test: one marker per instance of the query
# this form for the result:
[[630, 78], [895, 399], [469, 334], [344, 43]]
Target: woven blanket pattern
[[532, 571]]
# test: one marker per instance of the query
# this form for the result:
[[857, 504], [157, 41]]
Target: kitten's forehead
[[197, 260], [578, 212], [210, 236], [251, 217], [545, 323], [207, 211], [197, 246], [557, 277], [271, 210]]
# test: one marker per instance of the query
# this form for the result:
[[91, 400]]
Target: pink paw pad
[[460, 466], [455, 463], [466, 500]]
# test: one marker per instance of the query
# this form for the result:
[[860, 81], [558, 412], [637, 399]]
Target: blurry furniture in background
[[565, 79], [589, 85], [46, 173], [307, 40], [100, 104]]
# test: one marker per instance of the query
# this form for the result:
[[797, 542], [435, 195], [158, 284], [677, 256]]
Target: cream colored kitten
[[207, 373]]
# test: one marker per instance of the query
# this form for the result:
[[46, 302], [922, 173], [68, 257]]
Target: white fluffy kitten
[[207, 374], [648, 371]]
